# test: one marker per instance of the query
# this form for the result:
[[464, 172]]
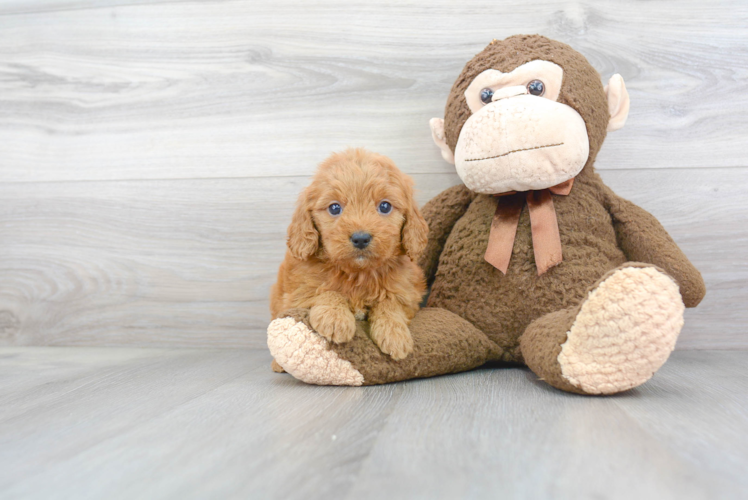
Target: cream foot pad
[[624, 332], [307, 356]]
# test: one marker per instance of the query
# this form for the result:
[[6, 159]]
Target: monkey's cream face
[[519, 137]]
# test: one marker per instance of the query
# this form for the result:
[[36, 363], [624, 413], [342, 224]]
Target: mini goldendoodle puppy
[[352, 247]]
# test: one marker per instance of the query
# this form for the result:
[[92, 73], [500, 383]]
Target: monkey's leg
[[443, 343], [616, 339]]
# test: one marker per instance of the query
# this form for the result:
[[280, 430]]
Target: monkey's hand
[[643, 239]]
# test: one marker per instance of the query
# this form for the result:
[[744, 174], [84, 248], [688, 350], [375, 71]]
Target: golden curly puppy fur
[[329, 269]]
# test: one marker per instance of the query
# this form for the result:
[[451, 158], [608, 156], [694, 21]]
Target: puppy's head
[[358, 212]]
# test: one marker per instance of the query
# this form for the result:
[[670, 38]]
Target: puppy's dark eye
[[536, 87], [486, 95], [384, 207], [335, 209]]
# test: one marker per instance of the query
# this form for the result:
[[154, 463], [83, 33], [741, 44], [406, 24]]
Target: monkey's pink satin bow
[[546, 240]]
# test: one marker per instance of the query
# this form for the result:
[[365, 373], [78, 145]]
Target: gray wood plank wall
[[151, 151]]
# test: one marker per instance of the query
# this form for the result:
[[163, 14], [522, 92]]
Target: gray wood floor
[[155, 423]]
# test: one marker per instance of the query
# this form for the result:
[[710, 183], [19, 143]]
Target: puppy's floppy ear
[[415, 229], [303, 238], [415, 233]]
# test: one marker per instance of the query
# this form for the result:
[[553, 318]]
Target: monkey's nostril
[[360, 239]]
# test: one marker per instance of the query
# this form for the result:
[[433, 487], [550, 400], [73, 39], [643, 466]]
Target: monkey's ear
[[303, 238], [618, 102], [437, 133]]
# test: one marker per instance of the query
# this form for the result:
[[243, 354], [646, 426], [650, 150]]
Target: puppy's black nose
[[360, 239]]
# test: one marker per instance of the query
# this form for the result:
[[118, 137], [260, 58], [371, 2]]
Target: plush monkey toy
[[533, 260]]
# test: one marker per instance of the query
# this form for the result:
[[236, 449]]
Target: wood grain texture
[[151, 151], [191, 262], [144, 423], [96, 90]]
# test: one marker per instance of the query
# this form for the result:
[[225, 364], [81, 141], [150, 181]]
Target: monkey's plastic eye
[[384, 208], [536, 87], [486, 95], [335, 209]]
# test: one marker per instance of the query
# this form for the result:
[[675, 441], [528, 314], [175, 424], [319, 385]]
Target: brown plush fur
[[509, 303], [599, 230], [325, 272]]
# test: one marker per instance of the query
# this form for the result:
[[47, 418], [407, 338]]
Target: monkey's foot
[[443, 343], [307, 356], [616, 339], [624, 331]]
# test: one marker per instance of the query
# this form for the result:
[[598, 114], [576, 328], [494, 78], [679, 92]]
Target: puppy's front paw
[[393, 338], [336, 324]]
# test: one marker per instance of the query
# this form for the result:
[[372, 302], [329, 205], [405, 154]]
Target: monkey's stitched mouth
[[516, 151]]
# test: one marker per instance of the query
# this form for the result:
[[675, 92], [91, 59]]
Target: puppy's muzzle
[[360, 239]]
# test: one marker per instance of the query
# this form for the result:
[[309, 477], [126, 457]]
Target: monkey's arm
[[643, 239], [441, 214]]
